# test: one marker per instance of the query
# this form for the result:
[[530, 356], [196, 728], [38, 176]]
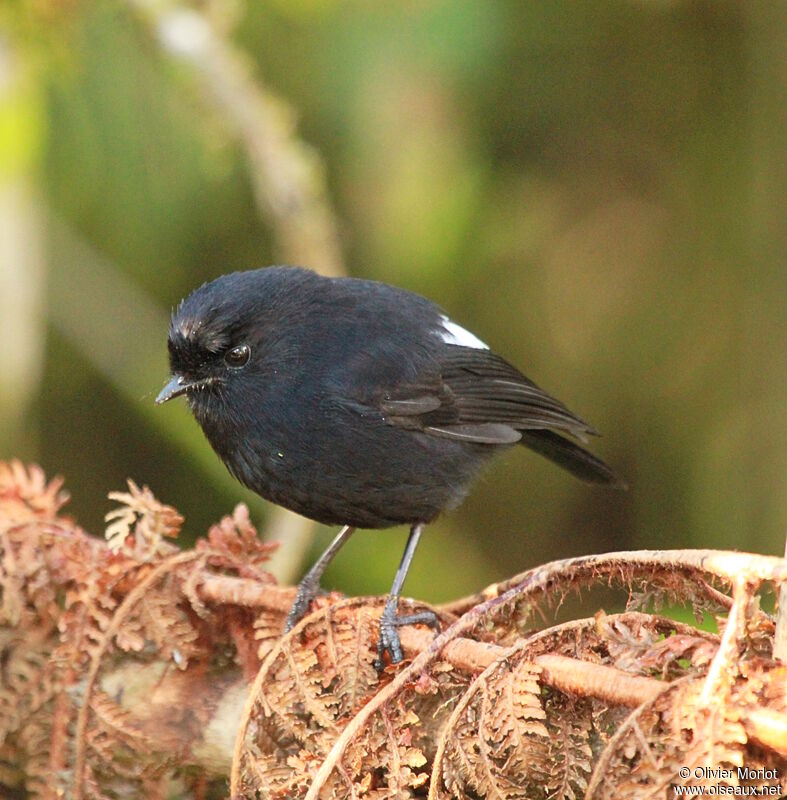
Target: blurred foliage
[[595, 188]]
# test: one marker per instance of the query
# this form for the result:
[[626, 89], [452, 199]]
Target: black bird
[[355, 403]]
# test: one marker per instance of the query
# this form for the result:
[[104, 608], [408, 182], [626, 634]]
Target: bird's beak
[[177, 386]]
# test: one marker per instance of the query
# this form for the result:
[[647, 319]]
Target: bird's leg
[[389, 621], [310, 585]]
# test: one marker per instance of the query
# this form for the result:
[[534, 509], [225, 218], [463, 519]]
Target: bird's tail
[[571, 457]]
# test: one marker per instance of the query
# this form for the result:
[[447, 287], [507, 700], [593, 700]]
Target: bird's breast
[[325, 460]]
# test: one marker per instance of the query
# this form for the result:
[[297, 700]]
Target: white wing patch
[[451, 333]]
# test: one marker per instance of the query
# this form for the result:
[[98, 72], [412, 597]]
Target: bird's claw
[[388, 639], [307, 591]]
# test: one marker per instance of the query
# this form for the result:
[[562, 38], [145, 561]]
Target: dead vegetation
[[130, 668]]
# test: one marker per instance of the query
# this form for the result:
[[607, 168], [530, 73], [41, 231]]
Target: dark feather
[[481, 398], [410, 407], [485, 433], [571, 457], [476, 389]]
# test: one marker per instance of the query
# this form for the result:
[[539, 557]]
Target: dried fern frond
[[677, 731], [26, 488], [141, 523], [120, 668], [324, 669], [233, 542]]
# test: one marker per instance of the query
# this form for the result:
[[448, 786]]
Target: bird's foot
[[307, 591], [388, 640]]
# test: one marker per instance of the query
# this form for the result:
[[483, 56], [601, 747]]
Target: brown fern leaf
[[398, 763], [268, 627], [570, 722], [310, 686], [671, 587], [233, 544], [650, 645], [760, 629], [61, 593], [558, 762], [25, 492], [26, 590], [118, 749], [495, 743], [677, 732], [153, 610], [161, 624], [26, 684], [532, 595], [321, 671], [114, 665], [91, 577], [635, 643], [763, 685], [33, 751], [67, 589], [486, 749], [35, 580], [28, 681], [140, 524]]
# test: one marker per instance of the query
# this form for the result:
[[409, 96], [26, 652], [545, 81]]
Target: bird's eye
[[237, 356]]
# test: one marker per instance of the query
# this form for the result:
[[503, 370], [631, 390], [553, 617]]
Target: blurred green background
[[594, 188]]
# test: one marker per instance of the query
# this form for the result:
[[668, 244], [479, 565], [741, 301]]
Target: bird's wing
[[474, 395], [471, 395]]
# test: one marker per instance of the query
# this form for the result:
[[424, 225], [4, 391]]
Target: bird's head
[[202, 359], [230, 332], [211, 341]]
